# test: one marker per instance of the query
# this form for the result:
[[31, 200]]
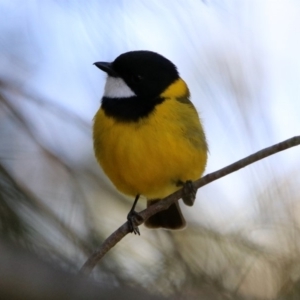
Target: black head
[[147, 73]]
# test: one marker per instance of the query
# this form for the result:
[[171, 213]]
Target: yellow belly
[[150, 156]]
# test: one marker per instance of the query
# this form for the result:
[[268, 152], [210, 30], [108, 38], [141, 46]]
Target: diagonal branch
[[115, 237]]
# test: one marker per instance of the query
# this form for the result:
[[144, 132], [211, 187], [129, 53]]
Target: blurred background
[[241, 61]]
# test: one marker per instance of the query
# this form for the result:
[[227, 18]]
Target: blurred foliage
[[56, 202]]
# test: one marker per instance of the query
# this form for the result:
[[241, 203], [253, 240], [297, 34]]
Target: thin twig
[[115, 237]]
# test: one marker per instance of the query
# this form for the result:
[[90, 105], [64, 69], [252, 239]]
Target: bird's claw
[[133, 218], [189, 193]]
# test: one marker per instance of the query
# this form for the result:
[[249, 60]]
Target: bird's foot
[[189, 193], [133, 218]]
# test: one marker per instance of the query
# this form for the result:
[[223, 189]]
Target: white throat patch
[[116, 87]]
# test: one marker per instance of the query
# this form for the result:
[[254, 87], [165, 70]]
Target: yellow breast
[[150, 156]]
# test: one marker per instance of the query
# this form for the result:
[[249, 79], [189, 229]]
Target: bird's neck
[[178, 89], [129, 109], [135, 108]]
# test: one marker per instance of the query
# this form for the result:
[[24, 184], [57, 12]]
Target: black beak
[[107, 68]]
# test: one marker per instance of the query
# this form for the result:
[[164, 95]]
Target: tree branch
[[115, 237]]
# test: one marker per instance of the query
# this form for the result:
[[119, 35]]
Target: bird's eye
[[136, 78]]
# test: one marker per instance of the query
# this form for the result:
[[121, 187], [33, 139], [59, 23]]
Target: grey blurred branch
[[115, 237]]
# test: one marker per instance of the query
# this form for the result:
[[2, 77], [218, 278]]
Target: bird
[[147, 135]]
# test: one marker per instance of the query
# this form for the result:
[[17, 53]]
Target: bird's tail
[[170, 218]]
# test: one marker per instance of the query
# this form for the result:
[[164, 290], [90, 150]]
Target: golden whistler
[[148, 137]]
